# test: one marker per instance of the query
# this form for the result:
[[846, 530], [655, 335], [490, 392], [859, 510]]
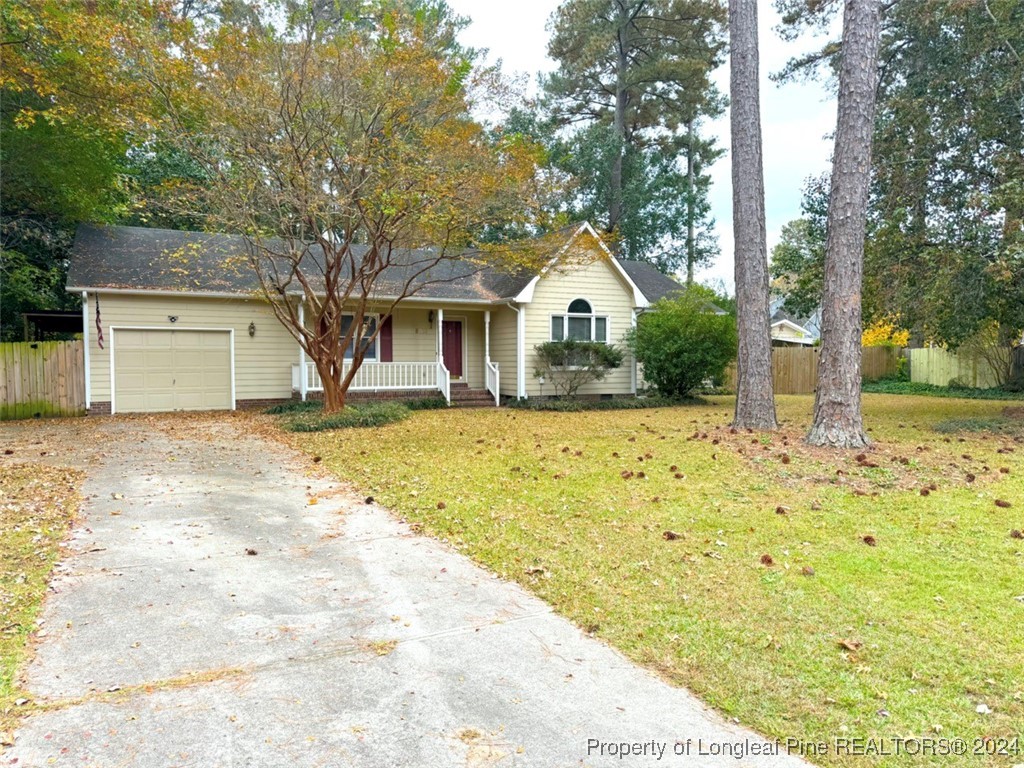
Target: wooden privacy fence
[[942, 367], [42, 378], [795, 369]]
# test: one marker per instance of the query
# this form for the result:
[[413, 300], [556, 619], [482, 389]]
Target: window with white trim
[[579, 323], [369, 328]]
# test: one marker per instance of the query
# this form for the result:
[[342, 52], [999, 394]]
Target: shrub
[[369, 415], [295, 406], [681, 344], [426, 403], [570, 364], [892, 386]]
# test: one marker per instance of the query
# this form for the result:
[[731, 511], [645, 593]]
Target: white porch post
[[303, 384], [85, 349], [487, 336], [632, 372], [440, 338]]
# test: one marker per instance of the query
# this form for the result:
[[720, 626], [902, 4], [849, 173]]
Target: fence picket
[[795, 369], [42, 378]]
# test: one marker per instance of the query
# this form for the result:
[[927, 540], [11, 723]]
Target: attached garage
[[180, 369]]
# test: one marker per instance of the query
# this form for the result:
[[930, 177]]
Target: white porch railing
[[493, 381], [444, 382], [378, 376]]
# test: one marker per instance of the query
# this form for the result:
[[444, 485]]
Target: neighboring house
[[790, 331], [184, 328]]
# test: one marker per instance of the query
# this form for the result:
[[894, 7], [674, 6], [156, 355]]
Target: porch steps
[[464, 397]]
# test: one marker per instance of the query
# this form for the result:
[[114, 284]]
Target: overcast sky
[[796, 118]]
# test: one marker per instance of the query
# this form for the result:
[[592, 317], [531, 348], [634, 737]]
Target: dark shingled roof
[[655, 284], [142, 258], [652, 282]]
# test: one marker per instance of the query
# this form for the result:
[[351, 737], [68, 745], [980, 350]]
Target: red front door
[[451, 347]]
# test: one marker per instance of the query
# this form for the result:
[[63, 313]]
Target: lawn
[[37, 504], [807, 593]]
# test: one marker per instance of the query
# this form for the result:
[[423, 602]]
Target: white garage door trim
[[115, 328]]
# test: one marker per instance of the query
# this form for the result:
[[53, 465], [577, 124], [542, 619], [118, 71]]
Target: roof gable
[[584, 230]]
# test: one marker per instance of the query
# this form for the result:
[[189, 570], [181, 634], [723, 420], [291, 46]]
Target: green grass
[[903, 387], [997, 425], [36, 507], [931, 609], [614, 404]]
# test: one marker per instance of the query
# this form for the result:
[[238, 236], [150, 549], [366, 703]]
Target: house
[[790, 331], [171, 325]]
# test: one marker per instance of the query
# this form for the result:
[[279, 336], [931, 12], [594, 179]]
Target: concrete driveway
[[209, 614]]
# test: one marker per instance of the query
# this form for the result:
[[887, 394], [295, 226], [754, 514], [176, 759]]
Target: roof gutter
[[259, 297]]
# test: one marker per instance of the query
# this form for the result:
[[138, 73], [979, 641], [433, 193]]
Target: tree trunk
[[755, 404], [619, 124], [691, 241], [837, 412], [334, 391]]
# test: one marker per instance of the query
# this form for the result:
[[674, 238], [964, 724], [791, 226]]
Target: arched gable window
[[580, 323]]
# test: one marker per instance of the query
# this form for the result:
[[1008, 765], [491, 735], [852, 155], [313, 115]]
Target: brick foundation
[[99, 409]]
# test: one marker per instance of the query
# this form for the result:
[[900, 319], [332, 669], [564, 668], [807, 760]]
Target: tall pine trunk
[[619, 123], [691, 237], [837, 402], [755, 403]]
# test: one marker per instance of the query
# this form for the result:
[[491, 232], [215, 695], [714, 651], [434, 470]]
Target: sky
[[797, 118]]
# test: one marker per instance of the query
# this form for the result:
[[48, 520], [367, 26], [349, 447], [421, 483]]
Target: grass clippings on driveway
[[808, 593], [37, 504]]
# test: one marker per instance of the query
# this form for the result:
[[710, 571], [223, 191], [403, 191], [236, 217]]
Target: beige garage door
[[165, 370]]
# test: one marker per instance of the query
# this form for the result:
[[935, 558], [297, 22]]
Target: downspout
[[520, 350], [85, 349], [303, 384]]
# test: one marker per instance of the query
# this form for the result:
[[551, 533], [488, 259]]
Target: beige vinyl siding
[[262, 362], [503, 347], [414, 340], [599, 283]]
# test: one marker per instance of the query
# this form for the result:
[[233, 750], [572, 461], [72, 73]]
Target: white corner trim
[[85, 349], [521, 354], [632, 357]]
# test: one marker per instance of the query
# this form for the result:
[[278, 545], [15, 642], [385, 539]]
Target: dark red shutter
[[385, 341]]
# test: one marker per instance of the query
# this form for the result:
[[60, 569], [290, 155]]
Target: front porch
[[419, 351]]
